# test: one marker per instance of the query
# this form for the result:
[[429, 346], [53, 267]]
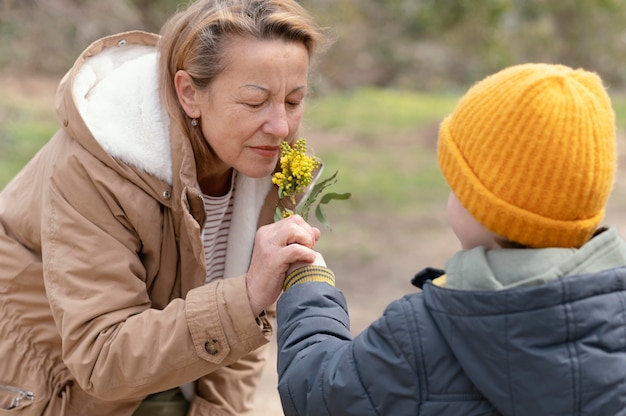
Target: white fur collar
[[250, 195], [116, 92]]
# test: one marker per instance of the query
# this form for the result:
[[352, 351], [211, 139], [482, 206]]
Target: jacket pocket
[[14, 398]]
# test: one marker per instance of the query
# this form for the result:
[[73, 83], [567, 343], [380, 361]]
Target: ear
[[187, 93]]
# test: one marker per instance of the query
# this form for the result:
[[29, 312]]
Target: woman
[[130, 261]]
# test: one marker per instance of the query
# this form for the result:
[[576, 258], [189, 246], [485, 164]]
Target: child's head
[[530, 154]]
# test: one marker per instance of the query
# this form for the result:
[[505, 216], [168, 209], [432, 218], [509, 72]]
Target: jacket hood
[[109, 102], [480, 269], [116, 92], [111, 95], [546, 348]]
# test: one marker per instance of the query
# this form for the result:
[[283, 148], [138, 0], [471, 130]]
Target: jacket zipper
[[20, 394]]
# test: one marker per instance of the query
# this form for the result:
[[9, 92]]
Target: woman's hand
[[276, 247]]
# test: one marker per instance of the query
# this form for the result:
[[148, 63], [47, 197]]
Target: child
[[530, 316]]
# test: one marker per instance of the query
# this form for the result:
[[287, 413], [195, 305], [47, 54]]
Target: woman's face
[[255, 103]]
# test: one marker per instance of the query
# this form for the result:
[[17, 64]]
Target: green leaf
[[319, 211], [334, 196], [305, 206], [278, 214], [321, 216]]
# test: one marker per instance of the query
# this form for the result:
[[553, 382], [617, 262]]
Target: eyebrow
[[266, 90]]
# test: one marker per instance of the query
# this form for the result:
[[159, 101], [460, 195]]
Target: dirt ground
[[375, 258]]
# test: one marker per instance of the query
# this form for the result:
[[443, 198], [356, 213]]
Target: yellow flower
[[297, 169], [295, 177]]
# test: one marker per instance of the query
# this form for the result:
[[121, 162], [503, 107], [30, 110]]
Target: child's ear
[[187, 93]]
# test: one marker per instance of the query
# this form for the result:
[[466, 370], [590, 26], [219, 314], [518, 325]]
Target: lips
[[266, 151]]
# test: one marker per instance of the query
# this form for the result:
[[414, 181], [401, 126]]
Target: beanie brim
[[499, 216]]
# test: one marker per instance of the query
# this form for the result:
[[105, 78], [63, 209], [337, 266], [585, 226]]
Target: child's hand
[[319, 261]]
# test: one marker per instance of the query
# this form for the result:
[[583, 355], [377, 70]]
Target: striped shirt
[[215, 234]]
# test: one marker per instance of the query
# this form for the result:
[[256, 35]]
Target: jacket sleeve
[[324, 371], [230, 390], [114, 343]]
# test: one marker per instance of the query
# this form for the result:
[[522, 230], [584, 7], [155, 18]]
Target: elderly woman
[[137, 246]]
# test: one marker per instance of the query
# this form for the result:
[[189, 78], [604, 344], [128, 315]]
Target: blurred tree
[[585, 33], [429, 44], [421, 44], [59, 30], [155, 12], [412, 43], [46, 36]]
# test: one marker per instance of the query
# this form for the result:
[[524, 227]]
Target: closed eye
[[254, 106]]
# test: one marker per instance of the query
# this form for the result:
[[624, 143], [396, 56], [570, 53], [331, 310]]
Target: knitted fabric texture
[[530, 152], [309, 274]]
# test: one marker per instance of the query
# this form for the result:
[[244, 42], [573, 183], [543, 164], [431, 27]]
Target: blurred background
[[416, 44], [395, 69]]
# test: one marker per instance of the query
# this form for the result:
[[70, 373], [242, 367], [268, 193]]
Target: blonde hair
[[195, 40]]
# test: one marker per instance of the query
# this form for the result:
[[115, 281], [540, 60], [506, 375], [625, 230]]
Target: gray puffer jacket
[[551, 348]]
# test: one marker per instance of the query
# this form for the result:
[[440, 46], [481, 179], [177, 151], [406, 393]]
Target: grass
[[372, 112], [619, 104], [385, 166], [25, 126], [386, 180], [370, 171], [387, 170]]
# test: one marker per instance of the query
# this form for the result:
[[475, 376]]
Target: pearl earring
[[194, 122]]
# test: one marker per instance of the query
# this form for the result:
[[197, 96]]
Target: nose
[[277, 124]]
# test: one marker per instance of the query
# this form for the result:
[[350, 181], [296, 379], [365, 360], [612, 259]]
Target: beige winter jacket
[[102, 295]]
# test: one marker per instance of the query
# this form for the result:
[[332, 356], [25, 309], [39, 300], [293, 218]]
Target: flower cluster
[[297, 171], [296, 177]]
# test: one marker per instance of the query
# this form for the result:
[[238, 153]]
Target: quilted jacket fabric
[[555, 348]]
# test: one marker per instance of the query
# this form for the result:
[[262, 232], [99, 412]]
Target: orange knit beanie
[[530, 152]]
